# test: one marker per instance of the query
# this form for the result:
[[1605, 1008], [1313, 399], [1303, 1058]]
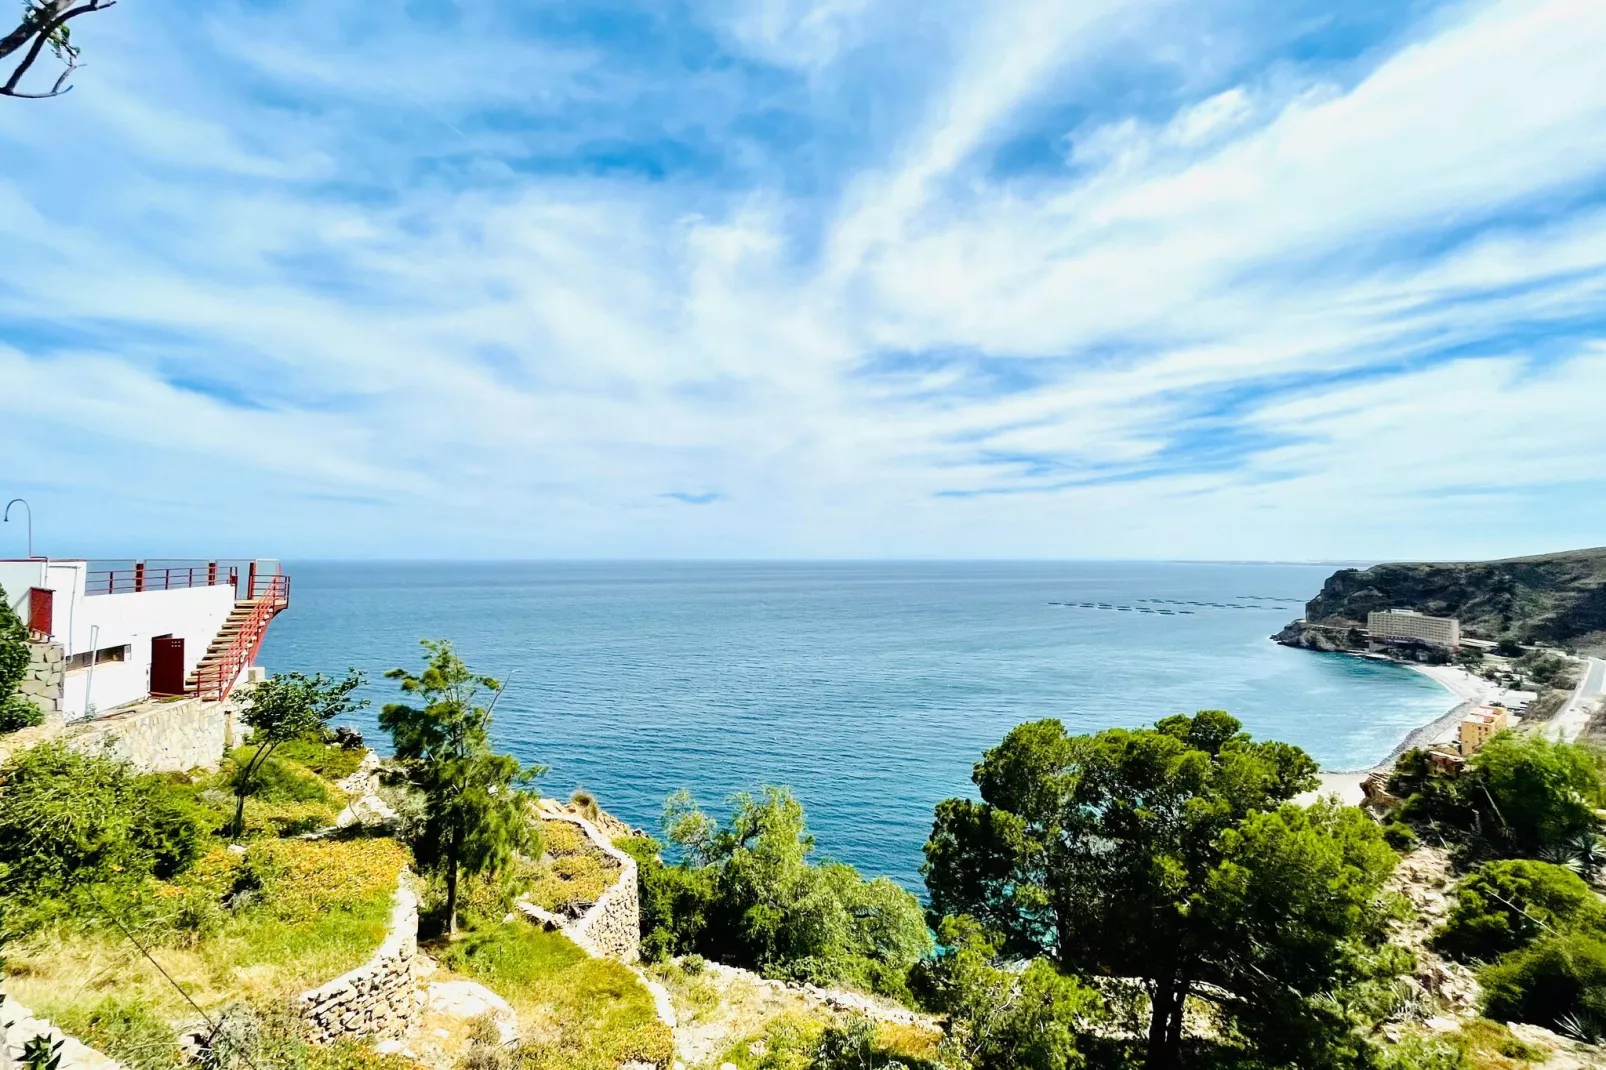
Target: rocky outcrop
[[1317, 637], [1552, 598], [380, 998]]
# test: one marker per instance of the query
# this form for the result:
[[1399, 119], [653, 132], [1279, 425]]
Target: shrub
[[15, 711], [675, 900], [69, 819], [277, 780], [1506, 905], [748, 894], [1561, 976], [1399, 836]]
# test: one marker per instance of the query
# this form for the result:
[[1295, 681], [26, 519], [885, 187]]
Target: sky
[[1215, 279]]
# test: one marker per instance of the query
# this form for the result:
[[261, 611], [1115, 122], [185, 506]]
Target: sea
[[870, 689]]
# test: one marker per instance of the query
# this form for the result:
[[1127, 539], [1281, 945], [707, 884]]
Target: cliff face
[[1552, 598]]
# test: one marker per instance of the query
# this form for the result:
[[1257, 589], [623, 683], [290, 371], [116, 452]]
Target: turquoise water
[[869, 688]]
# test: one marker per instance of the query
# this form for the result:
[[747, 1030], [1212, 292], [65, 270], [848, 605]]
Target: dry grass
[[573, 873], [575, 1012], [321, 909]]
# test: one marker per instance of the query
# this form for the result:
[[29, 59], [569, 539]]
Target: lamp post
[[7, 519]]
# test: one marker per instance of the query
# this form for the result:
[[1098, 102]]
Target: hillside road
[[1569, 722]]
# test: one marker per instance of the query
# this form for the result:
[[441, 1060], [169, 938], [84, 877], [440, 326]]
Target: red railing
[[140, 578], [214, 679]]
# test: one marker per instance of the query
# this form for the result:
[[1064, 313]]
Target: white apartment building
[[1409, 624]]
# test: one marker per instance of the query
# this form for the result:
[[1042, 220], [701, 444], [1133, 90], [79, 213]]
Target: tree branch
[[42, 30]]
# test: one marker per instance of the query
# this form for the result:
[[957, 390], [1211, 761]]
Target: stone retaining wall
[[155, 736], [382, 997], [47, 668], [171, 736], [612, 925], [18, 1026]]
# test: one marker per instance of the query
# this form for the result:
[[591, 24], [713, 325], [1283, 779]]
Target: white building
[[137, 632], [1409, 624]]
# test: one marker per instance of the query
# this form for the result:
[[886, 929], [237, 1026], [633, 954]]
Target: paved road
[[1570, 721]]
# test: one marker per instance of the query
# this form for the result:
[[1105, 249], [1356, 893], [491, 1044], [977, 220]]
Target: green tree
[[770, 907], [1166, 855], [15, 711], [1506, 905], [1532, 792], [476, 817], [1003, 1017], [282, 708]]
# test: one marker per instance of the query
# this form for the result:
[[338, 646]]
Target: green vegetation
[[575, 1012], [1001, 1018], [1166, 855], [284, 708], [15, 711], [1504, 906], [747, 894], [1519, 796], [93, 856], [476, 820], [574, 873], [798, 1041], [1559, 981]]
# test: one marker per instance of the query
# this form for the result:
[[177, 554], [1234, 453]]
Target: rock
[[469, 999], [369, 812], [1440, 1024]]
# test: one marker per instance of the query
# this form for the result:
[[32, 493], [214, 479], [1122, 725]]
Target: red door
[[167, 665], [42, 611]]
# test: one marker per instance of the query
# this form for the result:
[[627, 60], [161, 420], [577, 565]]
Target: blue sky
[[851, 278]]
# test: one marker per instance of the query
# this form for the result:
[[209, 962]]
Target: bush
[[69, 819], [1559, 977], [675, 901], [15, 712], [748, 894], [1399, 836], [1504, 906]]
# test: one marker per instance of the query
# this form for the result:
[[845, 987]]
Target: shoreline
[[1470, 691]]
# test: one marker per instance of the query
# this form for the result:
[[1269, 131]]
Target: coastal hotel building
[[1408, 624]]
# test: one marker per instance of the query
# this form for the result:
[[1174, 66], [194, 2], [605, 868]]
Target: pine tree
[[476, 816]]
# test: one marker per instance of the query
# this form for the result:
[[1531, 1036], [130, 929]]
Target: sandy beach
[[1469, 690]]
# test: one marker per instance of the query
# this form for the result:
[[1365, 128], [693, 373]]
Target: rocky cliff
[[1557, 599]]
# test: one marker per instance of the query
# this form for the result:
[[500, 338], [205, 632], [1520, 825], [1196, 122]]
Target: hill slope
[[1552, 598]]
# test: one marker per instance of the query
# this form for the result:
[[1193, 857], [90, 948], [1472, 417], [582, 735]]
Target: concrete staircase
[[238, 620]]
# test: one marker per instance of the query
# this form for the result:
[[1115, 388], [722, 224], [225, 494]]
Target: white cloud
[[1238, 314]]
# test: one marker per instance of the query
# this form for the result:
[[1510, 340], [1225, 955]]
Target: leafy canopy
[[1506, 905], [1167, 855], [284, 708], [748, 893], [1520, 796]]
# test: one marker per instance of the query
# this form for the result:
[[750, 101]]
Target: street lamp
[[7, 519]]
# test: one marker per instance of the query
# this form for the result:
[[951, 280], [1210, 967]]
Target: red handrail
[[270, 594], [139, 578]]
